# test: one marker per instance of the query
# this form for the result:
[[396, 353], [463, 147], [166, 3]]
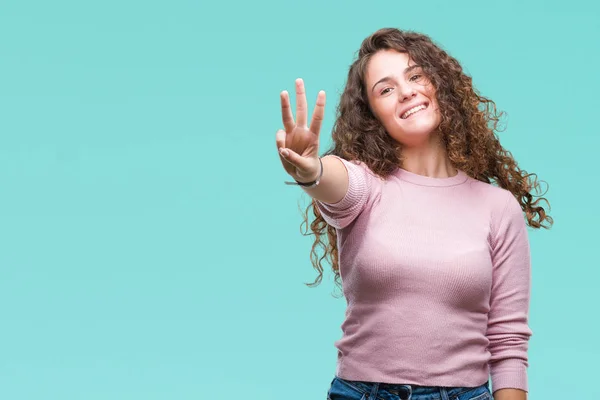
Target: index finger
[[318, 114]]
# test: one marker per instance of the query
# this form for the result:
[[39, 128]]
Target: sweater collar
[[423, 180]]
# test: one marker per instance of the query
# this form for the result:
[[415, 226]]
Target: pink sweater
[[436, 274]]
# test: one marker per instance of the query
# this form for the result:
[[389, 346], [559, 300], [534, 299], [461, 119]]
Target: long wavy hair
[[468, 127]]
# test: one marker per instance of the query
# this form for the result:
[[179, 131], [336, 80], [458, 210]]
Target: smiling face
[[401, 97]]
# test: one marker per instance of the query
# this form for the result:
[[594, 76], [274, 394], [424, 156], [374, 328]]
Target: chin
[[411, 134]]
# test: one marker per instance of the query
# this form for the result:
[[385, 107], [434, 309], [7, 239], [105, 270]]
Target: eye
[[384, 91], [417, 76]]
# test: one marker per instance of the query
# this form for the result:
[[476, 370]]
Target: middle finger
[[300, 103]]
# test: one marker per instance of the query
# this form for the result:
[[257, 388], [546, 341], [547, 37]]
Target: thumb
[[294, 158]]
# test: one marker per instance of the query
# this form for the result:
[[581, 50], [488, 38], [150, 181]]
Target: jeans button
[[404, 393]]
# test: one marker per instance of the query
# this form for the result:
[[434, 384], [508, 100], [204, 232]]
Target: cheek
[[433, 101], [383, 110], [387, 108], [437, 109], [432, 96]]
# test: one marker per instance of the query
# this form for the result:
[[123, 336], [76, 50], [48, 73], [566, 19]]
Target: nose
[[405, 93]]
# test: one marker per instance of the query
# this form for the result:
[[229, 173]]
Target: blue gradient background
[[148, 246]]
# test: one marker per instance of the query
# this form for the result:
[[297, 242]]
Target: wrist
[[312, 183], [308, 181]]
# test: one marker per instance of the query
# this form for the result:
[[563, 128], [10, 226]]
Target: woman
[[423, 210]]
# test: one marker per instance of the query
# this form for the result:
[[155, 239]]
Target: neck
[[429, 159]]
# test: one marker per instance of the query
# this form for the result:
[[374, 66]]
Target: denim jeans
[[342, 389]]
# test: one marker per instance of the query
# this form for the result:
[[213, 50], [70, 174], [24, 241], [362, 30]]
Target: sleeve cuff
[[356, 186], [341, 214], [509, 374]]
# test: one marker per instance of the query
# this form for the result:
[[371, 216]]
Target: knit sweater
[[436, 274]]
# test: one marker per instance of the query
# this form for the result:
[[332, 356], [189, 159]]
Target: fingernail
[[283, 152]]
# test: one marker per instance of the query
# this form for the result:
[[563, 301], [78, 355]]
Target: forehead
[[386, 62]]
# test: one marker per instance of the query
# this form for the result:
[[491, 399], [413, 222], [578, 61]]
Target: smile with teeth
[[413, 110]]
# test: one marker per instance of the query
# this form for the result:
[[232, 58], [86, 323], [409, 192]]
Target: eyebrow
[[388, 78]]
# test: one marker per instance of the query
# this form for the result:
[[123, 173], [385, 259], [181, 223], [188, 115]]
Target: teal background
[[148, 246]]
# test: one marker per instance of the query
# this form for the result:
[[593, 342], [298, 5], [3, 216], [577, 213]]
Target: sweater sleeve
[[361, 182], [508, 330]]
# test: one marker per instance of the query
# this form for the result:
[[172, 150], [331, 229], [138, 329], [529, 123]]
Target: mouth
[[414, 110]]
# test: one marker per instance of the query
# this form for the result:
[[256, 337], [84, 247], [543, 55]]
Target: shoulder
[[356, 167], [506, 217], [351, 163], [496, 198]]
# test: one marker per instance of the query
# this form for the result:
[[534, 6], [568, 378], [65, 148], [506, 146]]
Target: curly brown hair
[[467, 129]]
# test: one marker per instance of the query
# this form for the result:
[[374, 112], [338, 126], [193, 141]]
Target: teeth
[[412, 111]]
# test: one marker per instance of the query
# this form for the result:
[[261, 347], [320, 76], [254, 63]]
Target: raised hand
[[298, 144]]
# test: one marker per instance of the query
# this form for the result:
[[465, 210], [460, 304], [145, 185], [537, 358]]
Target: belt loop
[[444, 394], [374, 390]]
